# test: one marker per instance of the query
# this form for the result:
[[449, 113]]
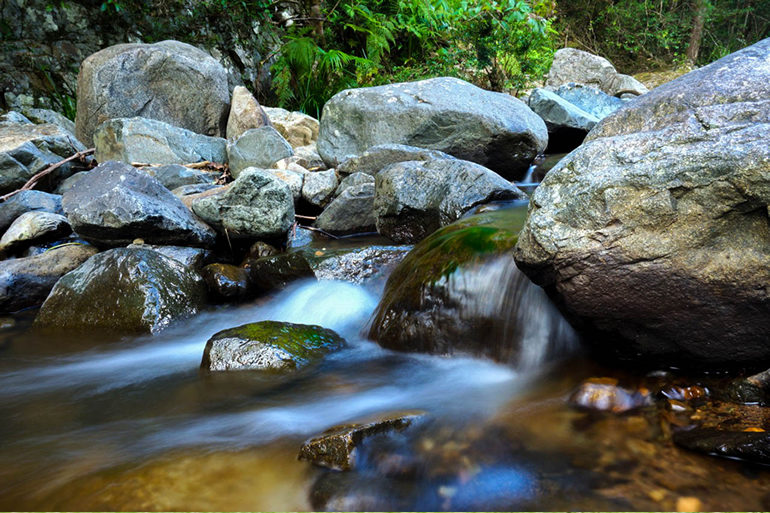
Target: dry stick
[[47, 171], [319, 231], [305, 217]]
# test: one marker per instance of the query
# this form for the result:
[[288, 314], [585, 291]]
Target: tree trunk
[[696, 36], [316, 15]]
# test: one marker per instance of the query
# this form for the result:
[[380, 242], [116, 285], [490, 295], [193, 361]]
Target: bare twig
[[47, 171], [323, 232], [306, 217]]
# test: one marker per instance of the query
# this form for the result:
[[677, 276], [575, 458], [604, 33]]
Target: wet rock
[[277, 271], [299, 237], [168, 81], [353, 180], [589, 99], [118, 203], [50, 117], [259, 250], [446, 114], [318, 188], [573, 65], [377, 158], [258, 147], [604, 394], [655, 262], [192, 258], [26, 282], [32, 227], [122, 291], [28, 201], [245, 113], [743, 445], [357, 265], [257, 205], [458, 291], [350, 212], [27, 149], [269, 345], [414, 199], [748, 390], [174, 176], [149, 141], [336, 447], [226, 282], [298, 128]]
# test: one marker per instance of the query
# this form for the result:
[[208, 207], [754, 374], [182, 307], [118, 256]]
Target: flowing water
[[134, 425]]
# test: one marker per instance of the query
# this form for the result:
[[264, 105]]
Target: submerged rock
[[168, 81], [653, 234], [149, 141], [743, 445], [26, 282], [604, 394], [122, 291], [336, 447], [118, 203], [446, 114], [414, 199], [269, 345]]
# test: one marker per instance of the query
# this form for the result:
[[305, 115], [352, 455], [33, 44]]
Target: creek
[[134, 424]]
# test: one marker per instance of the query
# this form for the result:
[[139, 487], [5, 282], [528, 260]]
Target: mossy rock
[[122, 291], [269, 345], [422, 309]]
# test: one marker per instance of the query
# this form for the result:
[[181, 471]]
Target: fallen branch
[[47, 171], [306, 217], [323, 232]]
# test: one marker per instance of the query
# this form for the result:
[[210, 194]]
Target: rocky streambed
[[218, 306]]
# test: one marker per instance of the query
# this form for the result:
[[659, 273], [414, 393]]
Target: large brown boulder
[[654, 234], [168, 81]]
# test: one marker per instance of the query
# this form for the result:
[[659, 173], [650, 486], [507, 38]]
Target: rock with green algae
[[428, 305], [269, 345], [122, 291]]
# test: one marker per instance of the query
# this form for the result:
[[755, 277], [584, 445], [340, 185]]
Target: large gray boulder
[[597, 103], [169, 81], [122, 291], [414, 199], [118, 204], [559, 113], [154, 142], [654, 233], [27, 149], [446, 114], [377, 158], [573, 65], [259, 147], [257, 205], [26, 282]]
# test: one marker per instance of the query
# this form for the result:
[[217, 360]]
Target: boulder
[[173, 176], [192, 258], [122, 291], [298, 128], [446, 114], [653, 235], [567, 124], [459, 292], [149, 141], [26, 282], [589, 99], [350, 212], [259, 147], [28, 201], [226, 282], [27, 149], [118, 204], [573, 65], [319, 187], [245, 113], [168, 81], [353, 180], [257, 205], [68, 183], [751, 446], [414, 199], [269, 346], [377, 158], [31, 227]]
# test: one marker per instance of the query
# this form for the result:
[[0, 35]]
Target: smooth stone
[[167, 81], [245, 113], [26, 282], [742, 445], [226, 282], [194, 189], [31, 227], [593, 101], [191, 258], [68, 183], [414, 199], [118, 203], [573, 65], [122, 291], [559, 113], [148, 141], [257, 205], [377, 158], [269, 346], [258, 147], [294, 179], [28, 201]]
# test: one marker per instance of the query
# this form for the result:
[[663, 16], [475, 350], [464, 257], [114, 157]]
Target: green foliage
[[67, 103], [502, 45]]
